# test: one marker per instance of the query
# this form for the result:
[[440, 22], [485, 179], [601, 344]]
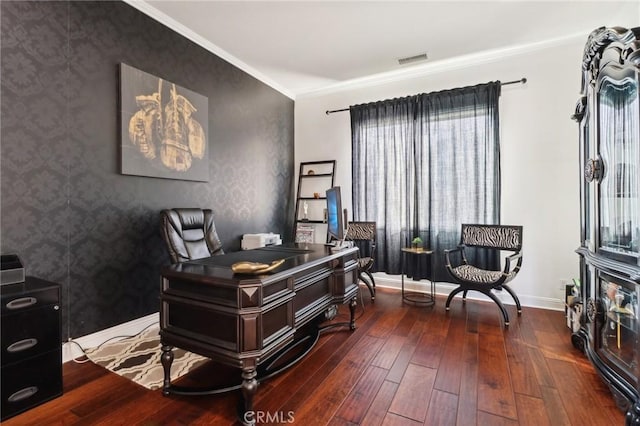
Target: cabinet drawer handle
[[22, 303], [23, 394], [22, 345]]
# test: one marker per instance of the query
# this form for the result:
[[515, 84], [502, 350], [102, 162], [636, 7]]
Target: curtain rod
[[523, 80]]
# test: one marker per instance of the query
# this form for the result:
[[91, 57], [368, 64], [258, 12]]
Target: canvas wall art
[[164, 128]]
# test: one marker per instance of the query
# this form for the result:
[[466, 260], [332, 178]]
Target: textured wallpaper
[[66, 209]]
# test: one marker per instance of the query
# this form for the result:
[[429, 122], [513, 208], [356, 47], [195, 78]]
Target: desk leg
[[249, 388], [166, 359], [352, 312]]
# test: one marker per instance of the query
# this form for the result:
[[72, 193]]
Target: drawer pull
[[22, 345], [23, 394], [22, 303]]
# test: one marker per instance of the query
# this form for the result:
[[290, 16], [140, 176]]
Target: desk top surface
[[295, 255]]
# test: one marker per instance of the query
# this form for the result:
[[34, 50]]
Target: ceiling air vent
[[411, 59]]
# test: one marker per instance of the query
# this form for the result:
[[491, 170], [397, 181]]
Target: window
[[424, 164]]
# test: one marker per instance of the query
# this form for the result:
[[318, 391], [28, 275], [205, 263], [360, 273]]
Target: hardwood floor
[[403, 365]]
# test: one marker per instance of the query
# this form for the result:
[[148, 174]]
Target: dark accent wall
[[66, 209]]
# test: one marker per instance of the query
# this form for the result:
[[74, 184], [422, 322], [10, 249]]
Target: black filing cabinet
[[31, 345]]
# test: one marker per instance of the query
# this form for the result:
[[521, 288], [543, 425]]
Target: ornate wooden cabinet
[[608, 113]]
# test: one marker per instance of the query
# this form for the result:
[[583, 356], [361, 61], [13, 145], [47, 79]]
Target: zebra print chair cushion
[[480, 276], [364, 262]]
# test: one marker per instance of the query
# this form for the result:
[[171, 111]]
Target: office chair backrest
[[502, 237], [189, 234]]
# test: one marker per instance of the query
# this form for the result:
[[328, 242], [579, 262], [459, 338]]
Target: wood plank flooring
[[403, 365]]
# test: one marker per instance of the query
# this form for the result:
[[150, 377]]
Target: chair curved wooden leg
[[373, 282], [453, 293], [505, 315], [365, 280], [464, 297], [515, 298]]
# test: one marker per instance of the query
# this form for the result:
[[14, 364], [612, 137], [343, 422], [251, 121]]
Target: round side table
[[426, 299]]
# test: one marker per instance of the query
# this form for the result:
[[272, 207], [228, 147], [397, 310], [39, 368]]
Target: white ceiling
[[304, 47]]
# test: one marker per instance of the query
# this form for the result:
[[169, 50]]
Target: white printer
[[251, 241]]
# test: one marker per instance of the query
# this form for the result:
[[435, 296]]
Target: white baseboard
[[444, 288], [71, 351]]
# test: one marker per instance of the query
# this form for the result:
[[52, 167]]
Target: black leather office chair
[[189, 234], [363, 234], [498, 237]]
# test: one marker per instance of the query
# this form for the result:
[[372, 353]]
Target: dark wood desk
[[243, 320]]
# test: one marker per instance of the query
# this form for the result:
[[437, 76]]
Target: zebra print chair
[[469, 277], [363, 234]]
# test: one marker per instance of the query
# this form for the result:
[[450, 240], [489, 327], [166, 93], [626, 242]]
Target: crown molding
[[416, 71], [435, 67], [176, 26]]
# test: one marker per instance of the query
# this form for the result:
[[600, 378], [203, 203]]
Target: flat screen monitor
[[335, 221]]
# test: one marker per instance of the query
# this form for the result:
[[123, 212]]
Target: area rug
[[137, 358]]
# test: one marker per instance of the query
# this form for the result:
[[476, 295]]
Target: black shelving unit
[[314, 178]]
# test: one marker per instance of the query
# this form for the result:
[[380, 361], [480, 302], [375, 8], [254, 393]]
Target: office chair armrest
[[507, 266]]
